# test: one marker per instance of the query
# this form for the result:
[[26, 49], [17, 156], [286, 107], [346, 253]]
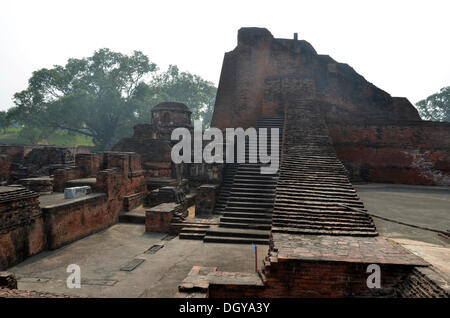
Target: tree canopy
[[3, 120], [104, 96], [436, 107]]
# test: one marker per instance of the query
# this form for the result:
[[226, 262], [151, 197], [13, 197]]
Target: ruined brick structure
[[320, 235], [378, 137], [22, 229], [153, 143], [23, 162], [30, 223]]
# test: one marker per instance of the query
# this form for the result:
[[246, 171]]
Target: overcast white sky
[[402, 47]]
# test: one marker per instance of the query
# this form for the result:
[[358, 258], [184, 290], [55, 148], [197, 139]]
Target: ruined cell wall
[[28, 226], [21, 226], [393, 152], [118, 176], [23, 161], [66, 223]]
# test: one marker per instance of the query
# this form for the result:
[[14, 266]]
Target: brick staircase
[[247, 216], [230, 171], [313, 190]]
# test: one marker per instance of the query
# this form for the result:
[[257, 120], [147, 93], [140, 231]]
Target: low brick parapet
[[160, 217]]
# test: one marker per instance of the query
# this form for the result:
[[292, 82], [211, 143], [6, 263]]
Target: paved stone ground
[[420, 205], [101, 256], [434, 254]]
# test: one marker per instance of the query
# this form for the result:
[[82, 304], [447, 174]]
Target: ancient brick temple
[[320, 235], [378, 137], [153, 143]]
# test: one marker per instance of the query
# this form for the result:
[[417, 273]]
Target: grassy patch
[[58, 138]]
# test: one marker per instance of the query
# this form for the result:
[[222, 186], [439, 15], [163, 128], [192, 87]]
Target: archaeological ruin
[[316, 236]]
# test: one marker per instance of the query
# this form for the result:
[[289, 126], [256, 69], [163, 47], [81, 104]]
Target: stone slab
[[76, 192], [368, 250]]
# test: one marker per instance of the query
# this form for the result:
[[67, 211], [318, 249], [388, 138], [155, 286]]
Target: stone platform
[[349, 249]]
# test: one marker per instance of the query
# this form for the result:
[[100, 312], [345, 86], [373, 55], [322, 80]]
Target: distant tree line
[[103, 97], [436, 107]]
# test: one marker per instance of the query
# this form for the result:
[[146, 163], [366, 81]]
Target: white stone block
[[76, 192]]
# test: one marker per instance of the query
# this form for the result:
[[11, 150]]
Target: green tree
[[90, 96], [3, 121], [175, 86], [436, 107], [105, 95]]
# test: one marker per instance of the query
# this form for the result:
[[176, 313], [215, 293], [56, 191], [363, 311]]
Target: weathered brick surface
[[61, 176], [407, 153], [42, 185], [205, 200], [68, 222], [260, 65], [36, 161], [160, 217], [424, 283], [152, 141], [21, 226], [90, 163], [8, 280], [310, 279], [132, 201], [259, 75], [5, 167]]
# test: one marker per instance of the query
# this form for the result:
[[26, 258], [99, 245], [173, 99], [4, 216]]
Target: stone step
[[322, 222], [305, 231], [130, 217], [235, 240], [244, 220], [246, 201], [269, 195], [196, 229], [255, 226], [248, 233], [315, 215], [254, 186], [191, 236], [303, 198], [316, 205], [254, 209], [260, 183], [248, 215]]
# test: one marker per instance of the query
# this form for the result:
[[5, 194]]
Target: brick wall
[[423, 283], [25, 229], [61, 176], [21, 227], [408, 153], [300, 279], [66, 223], [5, 167]]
